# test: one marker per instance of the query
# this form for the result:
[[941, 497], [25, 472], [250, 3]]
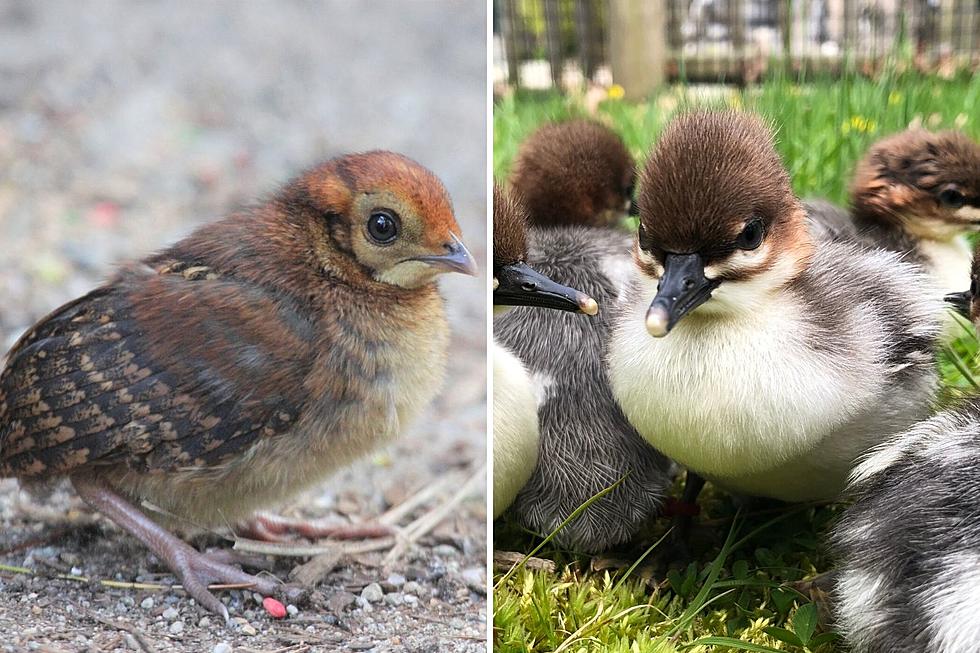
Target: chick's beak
[[520, 285], [683, 287], [960, 302], [456, 259]]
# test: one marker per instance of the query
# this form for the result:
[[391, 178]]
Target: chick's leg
[[196, 570], [273, 528]]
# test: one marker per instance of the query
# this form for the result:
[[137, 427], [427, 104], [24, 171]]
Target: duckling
[[908, 549], [577, 172], [515, 412], [917, 193], [586, 442], [752, 353]]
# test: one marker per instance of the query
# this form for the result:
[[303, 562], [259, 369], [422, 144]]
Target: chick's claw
[[197, 571]]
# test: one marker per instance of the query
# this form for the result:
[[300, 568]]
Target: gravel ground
[[125, 125]]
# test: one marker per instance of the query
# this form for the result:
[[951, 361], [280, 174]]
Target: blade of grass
[[961, 366], [700, 599], [575, 513], [732, 643], [640, 559]]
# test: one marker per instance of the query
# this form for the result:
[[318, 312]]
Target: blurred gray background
[[123, 125]]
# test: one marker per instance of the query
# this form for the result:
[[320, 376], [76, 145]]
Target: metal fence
[[540, 43]]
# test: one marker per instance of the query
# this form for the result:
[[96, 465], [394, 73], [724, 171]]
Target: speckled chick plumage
[[586, 443], [577, 172], [247, 361]]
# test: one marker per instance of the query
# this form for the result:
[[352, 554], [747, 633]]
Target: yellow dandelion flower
[[894, 98], [859, 124], [616, 92]]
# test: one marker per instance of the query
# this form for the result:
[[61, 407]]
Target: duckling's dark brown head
[[574, 173], [514, 282], [927, 184], [509, 230], [718, 217]]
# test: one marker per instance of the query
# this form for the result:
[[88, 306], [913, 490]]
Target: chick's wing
[[157, 371]]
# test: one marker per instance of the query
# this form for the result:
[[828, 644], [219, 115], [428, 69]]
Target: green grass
[[739, 594]]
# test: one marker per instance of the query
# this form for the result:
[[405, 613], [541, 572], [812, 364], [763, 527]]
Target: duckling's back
[[909, 548], [586, 442]]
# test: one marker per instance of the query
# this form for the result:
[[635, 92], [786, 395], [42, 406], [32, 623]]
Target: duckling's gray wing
[[876, 317], [586, 442], [829, 221], [909, 547], [890, 304]]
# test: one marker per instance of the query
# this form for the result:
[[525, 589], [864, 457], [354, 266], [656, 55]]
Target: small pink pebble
[[104, 214], [274, 607]]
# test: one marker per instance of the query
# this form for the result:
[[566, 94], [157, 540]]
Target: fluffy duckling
[[244, 363], [515, 411], [586, 442], [917, 193], [909, 548], [750, 352], [577, 172]]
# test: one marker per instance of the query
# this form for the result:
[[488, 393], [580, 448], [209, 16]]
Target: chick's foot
[[195, 570]]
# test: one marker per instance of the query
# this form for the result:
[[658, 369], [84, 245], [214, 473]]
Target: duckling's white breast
[[949, 262], [515, 428], [738, 398]]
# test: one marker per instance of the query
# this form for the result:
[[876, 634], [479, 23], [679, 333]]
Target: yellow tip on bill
[[589, 306], [657, 321]]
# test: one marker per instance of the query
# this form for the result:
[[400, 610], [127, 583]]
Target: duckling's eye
[[951, 198], [382, 226], [751, 236]]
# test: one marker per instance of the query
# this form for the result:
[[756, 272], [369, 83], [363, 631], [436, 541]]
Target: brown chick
[[574, 173], [919, 192], [244, 363]]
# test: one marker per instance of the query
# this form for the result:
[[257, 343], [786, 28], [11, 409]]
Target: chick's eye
[[751, 236], [382, 227], [951, 198]]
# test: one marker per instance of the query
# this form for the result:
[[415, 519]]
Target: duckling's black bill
[[683, 287], [520, 285], [960, 302]]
